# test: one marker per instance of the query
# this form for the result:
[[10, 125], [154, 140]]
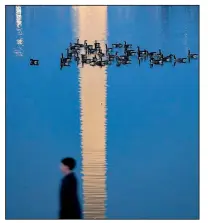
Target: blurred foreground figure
[[69, 201]]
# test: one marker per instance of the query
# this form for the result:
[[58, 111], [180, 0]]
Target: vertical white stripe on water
[[75, 22], [18, 51], [92, 25]]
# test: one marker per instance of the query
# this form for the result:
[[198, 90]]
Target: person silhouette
[[69, 202]]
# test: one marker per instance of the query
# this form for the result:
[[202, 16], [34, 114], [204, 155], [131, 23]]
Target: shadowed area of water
[[132, 129]]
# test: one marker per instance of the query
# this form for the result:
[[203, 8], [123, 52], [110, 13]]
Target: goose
[[111, 56], [87, 61], [118, 64], [100, 53], [159, 53], [63, 62], [107, 62], [151, 53], [93, 63], [68, 54], [94, 59], [141, 52], [167, 58], [125, 56], [154, 61], [192, 55], [108, 48], [179, 60], [126, 61], [130, 52], [127, 45], [76, 57], [91, 51], [100, 63], [96, 44], [34, 62], [64, 59], [123, 60], [73, 47], [117, 45], [78, 44]]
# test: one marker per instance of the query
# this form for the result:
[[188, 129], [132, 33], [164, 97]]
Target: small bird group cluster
[[93, 55]]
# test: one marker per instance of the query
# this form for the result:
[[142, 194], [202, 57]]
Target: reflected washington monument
[[91, 25]]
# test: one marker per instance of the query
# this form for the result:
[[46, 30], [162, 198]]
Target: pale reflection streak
[[92, 25], [18, 51]]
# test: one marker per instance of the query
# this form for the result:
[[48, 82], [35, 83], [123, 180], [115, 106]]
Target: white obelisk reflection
[[92, 25], [18, 51]]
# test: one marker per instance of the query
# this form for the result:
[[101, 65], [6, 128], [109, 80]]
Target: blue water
[[152, 141]]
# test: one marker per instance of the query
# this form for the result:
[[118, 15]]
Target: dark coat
[[69, 201]]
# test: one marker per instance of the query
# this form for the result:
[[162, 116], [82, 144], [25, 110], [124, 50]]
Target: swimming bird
[[69, 54], [192, 55], [100, 63], [151, 53], [94, 59], [117, 45], [34, 62], [108, 48], [112, 56], [63, 61], [159, 53], [91, 51], [179, 60], [107, 62], [97, 45], [167, 58], [100, 53], [118, 63], [125, 56], [85, 59], [141, 52], [130, 52], [123, 60], [154, 61], [93, 63], [127, 45], [76, 57], [126, 61], [79, 44], [75, 47]]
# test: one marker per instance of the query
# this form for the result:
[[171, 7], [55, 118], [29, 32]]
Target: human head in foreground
[[67, 165]]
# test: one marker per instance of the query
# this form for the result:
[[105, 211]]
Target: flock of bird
[[93, 55]]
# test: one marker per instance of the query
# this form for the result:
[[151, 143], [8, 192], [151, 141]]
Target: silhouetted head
[[67, 165]]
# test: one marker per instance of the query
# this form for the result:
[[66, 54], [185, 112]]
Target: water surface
[[132, 129]]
